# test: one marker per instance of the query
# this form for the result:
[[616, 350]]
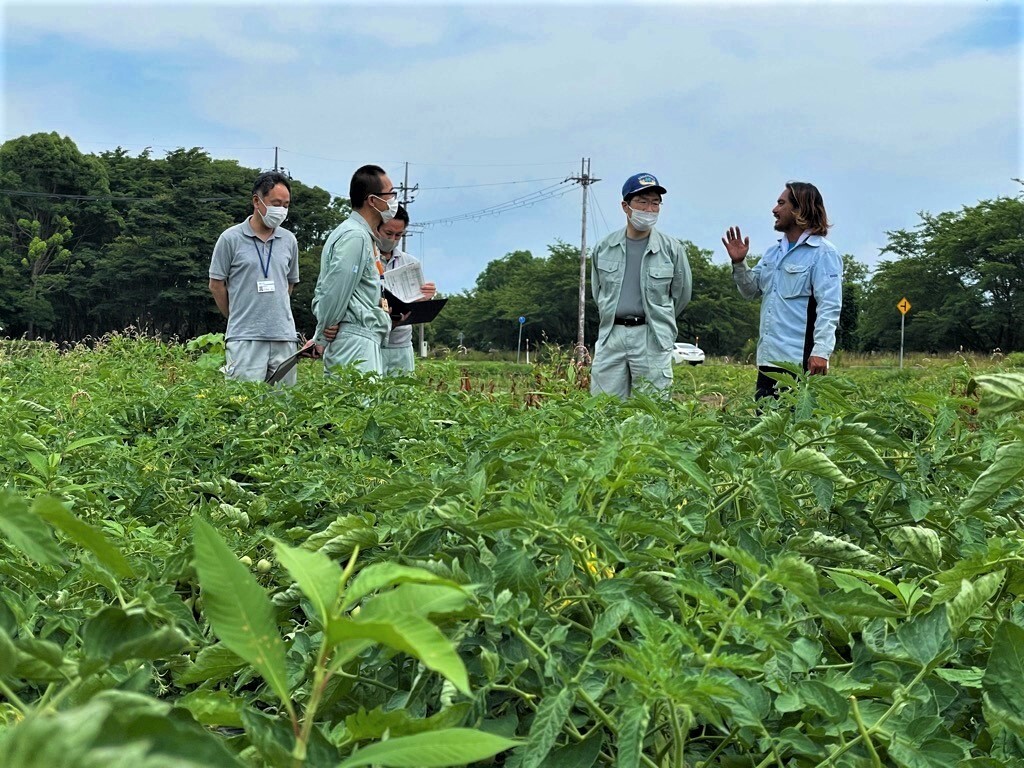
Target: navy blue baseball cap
[[641, 182]]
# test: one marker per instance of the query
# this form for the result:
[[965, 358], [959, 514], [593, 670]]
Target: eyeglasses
[[392, 193], [644, 203]]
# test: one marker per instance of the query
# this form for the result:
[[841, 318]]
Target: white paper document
[[405, 282]]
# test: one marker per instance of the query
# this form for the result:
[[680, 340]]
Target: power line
[[494, 183], [600, 212], [537, 196]]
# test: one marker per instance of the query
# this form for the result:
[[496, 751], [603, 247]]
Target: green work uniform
[[348, 292], [628, 354]]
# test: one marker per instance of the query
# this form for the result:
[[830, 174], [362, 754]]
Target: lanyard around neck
[[259, 255]]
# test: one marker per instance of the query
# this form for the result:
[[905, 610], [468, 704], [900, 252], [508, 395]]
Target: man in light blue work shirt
[[641, 281], [801, 282], [348, 292]]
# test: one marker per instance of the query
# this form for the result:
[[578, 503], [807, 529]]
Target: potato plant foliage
[[405, 573]]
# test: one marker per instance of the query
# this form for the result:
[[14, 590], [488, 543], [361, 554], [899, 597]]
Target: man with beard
[[801, 282]]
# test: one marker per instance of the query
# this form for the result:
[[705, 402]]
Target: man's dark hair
[[267, 181], [808, 206], [402, 215], [365, 182]]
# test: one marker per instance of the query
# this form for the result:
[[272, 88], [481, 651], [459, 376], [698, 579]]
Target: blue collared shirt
[[787, 280]]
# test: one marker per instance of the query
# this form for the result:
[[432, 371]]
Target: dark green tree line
[[96, 243]]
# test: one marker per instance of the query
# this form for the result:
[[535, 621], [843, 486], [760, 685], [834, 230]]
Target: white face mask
[[275, 215], [642, 221], [392, 208]]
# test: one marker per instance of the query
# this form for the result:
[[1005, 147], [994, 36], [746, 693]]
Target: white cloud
[[723, 102]]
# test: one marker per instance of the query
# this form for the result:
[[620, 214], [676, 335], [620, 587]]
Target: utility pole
[[275, 158], [585, 180], [405, 189]]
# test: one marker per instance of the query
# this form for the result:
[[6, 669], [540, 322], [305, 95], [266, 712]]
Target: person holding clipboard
[[347, 300], [397, 351]]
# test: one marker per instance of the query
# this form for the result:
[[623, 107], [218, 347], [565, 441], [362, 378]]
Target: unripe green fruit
[[263, 566], [246, 561]]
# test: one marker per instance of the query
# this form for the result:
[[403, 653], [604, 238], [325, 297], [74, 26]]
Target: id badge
[[264, 286]]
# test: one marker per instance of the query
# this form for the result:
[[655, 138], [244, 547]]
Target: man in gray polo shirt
[[254, 268], [641, 282]]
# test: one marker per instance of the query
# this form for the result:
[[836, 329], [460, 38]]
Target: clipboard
[[419, 311], [289, 362]]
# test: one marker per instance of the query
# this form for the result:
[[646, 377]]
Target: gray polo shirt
[[247, 265]]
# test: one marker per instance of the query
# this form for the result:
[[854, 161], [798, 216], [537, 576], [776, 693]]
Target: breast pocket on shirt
[[659, 284], [610, 271], [794, 281]]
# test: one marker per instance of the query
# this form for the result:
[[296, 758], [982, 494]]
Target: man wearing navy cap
[[641, 282]]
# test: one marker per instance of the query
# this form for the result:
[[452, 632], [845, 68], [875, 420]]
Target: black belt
[[630, 320]]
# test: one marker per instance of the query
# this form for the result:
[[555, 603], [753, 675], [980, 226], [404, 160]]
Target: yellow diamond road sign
[[904, 305]]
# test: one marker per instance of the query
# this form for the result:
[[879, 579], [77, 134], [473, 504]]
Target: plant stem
[[896, 705], [14, 698], [728, 623], [875, 762]]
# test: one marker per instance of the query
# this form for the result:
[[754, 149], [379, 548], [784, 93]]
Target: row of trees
[[94, 243]]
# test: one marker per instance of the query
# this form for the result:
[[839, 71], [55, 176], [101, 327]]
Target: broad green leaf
[[918, 545], [972, 596], [812, 462], [434, 749], [115, 729], [931, 753], [516, 571], [213, 708], [114, 635], [317, 575], [580, 755], [379, 575], [608, 622], [739, 556], [1002, 684], [410, 634], [238, 609], [1005, 471], [26, 531], [1000, 392], [926, 638], [796, 575], [84, 441], [875, 579], [551, 714], [766, 493], [632, 721], [823, 698], [8, 655], [56, 514], [376, 723], [213, 663], [828, 547], [418, 599]]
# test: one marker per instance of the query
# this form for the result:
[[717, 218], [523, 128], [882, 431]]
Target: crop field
[[482, 565]]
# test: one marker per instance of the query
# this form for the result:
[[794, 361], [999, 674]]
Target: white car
[[687, 353]]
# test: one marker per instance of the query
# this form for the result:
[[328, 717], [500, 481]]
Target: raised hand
[[429, 290], [736, 245]]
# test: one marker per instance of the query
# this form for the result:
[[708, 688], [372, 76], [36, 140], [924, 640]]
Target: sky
[[889, 109]]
